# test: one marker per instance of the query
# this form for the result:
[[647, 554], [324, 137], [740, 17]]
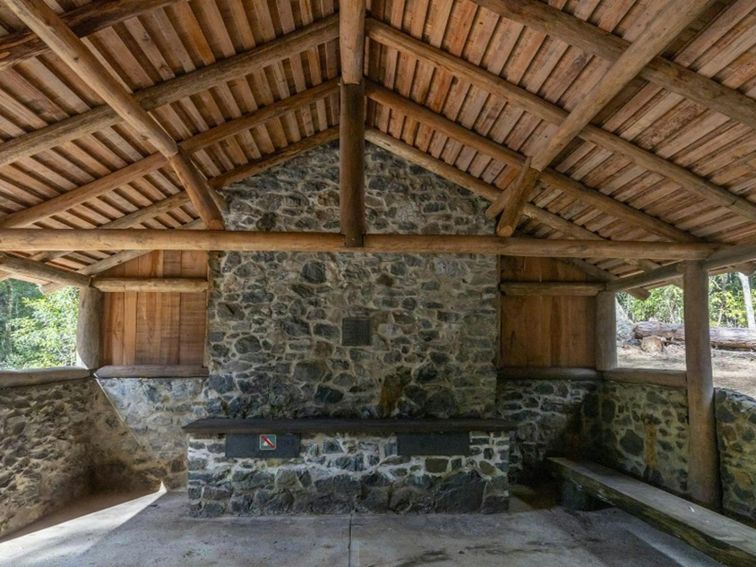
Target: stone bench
[[264, 466], [722, 538]]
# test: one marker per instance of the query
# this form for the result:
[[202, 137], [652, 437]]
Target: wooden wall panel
[[545, 331], [156, 328]]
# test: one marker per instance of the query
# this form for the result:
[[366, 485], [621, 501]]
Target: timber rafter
[[552, 113], [213, 103]]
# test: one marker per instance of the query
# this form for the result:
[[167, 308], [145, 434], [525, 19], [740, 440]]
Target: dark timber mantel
[[218, 426]]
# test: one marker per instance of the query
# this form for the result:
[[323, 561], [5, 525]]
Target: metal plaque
[[411, 444], [262, 446], [355, 331]]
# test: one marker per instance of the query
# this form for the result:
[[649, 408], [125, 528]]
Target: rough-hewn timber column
[[703, 462], [88, 328], [352, 122], [606, 331]]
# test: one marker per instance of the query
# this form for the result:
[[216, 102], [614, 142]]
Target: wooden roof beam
[[491, 193], [549, 177], [40, 271], [136, 170], [43, 21], [731, 256], [595, 41], [83, 21], [352, 122], [180, 199], [150, 285], [117, 259], [689, 181], [249, 241], [173, 90], [667, 25], [513, 200]]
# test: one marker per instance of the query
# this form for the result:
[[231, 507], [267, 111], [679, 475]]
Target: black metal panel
[[355, 332], [262, 446], [411, 444], [222, 425]]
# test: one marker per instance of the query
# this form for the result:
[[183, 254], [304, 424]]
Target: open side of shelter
[[378, 210]]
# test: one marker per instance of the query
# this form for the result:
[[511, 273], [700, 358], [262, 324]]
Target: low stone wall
[[736, 429], [641, 429], [61, 441], [349, 473], [44, 433], [638, 429], [547, 415], [154, 410]]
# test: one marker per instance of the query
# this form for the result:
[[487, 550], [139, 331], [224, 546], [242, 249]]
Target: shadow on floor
[[82, 507], [157, 530]]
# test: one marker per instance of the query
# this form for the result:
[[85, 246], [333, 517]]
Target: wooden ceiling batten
[[153, 162], [675, 16], [63, 42], [550, 177], [84, 20], [672, 152], [552, 113], [173, 90], [591, 39], [672, 19]]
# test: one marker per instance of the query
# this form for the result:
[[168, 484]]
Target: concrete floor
[[156, 530]]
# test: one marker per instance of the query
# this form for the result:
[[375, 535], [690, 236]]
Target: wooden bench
[[722, 538]]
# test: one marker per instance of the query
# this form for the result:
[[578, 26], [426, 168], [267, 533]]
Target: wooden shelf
[[216, 426]]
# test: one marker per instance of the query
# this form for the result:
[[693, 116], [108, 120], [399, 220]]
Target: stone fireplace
[[368, 336]]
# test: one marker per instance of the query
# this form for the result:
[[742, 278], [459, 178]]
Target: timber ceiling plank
[[165, 52]]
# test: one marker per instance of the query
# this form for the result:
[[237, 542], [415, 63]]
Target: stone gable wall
[[275, 319]]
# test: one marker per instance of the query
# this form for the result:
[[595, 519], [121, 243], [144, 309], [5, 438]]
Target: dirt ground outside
[[732, 369]]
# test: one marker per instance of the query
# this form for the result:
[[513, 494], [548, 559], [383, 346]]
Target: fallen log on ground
[[721, 337]]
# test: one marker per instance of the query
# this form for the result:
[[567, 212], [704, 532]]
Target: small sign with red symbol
[[267, 442]]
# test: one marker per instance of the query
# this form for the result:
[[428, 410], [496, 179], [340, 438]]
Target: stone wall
[[548, 420], [61, 441], [275, 319], [736, 429], [153, 411], [44, 432], [338, 474], [641, 429]]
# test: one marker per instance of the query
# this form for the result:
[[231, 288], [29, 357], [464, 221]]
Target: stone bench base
[[342, 473]]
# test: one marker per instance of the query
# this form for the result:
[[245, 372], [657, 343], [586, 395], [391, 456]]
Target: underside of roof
[[468, 89]]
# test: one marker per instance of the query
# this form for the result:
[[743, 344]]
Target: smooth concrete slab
[[157, 530]]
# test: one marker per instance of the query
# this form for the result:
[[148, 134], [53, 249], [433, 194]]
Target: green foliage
[[726, 304], [38, 331], [665, 304]]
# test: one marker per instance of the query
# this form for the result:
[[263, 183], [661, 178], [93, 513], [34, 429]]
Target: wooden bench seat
[[724, 539]]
